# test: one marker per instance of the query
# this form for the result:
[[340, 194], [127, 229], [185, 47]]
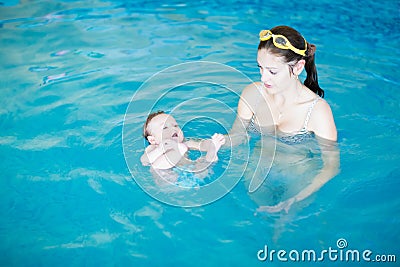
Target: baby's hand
[[183, 148]]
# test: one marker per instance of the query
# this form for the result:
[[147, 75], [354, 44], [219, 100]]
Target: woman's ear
[[298, 67], [151, 139]]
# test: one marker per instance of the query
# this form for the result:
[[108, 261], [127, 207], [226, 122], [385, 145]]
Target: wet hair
[[149, 118], [298, 41]]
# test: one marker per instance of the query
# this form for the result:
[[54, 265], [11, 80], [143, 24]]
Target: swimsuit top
[[289, 138]]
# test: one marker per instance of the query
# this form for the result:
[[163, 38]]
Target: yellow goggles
[[281, 42]]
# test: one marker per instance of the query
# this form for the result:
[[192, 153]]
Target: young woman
[[281, 104], [295, 109]]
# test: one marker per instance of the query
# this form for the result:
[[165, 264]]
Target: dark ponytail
[[312, 77]]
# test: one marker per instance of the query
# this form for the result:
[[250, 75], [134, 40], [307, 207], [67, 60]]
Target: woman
[[283, 103]]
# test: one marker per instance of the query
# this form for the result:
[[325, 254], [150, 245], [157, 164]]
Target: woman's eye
[[270, 71]]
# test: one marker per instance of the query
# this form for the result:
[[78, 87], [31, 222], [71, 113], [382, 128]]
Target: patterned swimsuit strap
[[309, 113]]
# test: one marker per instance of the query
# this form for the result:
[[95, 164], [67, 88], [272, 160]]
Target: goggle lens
[[281, 41]]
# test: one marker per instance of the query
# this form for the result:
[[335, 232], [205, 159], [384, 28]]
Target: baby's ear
[[151, 139]]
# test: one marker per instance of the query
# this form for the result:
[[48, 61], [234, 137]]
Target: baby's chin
[[178, 139]]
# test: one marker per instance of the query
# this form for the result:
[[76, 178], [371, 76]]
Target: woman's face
[[275, 73]]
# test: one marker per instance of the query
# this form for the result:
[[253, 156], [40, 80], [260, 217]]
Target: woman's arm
[[322, 122], [331, 165], [245, 111]]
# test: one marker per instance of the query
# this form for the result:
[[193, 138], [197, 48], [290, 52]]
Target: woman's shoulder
[[319, 105], [253, 86], [322, 106], [322, 121], [252, 90]]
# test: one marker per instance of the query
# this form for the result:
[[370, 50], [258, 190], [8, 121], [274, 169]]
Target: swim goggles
[[281, 42]]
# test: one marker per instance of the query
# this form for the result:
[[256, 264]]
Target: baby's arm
[[211, 146], [192, 144], [163, 156], [151, 154]]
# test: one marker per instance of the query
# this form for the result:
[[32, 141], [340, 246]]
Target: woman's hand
[[213, 145], [218, 140], [284, 205]]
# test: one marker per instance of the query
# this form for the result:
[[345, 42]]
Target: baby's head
[[160, 126]]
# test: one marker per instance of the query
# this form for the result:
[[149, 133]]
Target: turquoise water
[[69, 191]]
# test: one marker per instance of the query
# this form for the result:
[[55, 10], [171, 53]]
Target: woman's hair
[[149, 118], [298, 41]]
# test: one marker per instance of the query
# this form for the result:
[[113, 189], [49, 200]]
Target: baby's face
[[163, 127]]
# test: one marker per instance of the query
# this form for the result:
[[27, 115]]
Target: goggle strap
[[265, 35]]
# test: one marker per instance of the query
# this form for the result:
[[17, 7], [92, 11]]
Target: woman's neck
[[289, 97]]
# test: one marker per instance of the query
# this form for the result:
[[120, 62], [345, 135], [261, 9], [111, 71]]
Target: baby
[[168, 145]]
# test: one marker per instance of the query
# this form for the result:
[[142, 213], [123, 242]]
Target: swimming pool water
[[69, 72]]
